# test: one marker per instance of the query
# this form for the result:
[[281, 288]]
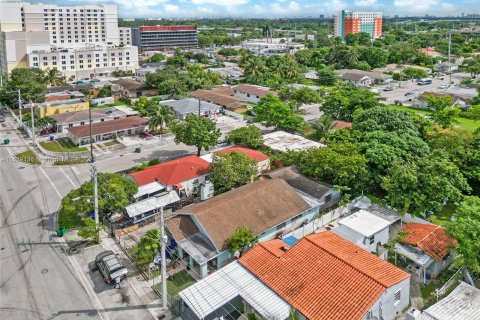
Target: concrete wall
[[360, 240], [48, 110], [386, 307], [248, 97]]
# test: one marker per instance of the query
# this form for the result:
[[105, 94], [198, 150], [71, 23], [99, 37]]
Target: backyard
[[461, 122], [177, 282], [61, 145]]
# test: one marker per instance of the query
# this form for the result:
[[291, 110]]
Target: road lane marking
[[68, 178], [75, 170], [51, 182]]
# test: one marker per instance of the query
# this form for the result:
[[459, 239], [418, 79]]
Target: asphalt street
[[37, 279]]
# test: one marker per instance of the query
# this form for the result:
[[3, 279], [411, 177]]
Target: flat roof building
[[151, 38], [282, 141]]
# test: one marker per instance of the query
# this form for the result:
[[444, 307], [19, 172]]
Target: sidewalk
[[139, 285]]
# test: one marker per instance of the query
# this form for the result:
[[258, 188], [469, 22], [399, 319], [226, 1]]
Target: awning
[[152, 203], [414, 255]]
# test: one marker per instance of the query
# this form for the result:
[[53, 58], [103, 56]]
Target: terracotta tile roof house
[[339, 124], [269, 207], [217, 97], [250, 153], [172, 172], [253, 90], [430, 238], [324, 276]]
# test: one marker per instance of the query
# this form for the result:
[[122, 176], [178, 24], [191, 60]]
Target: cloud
[[422, 7], [365, 3], [226, 3]]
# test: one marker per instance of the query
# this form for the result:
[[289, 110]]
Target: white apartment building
[[25, 28], [91, 61], [125, 36], [67, 25]]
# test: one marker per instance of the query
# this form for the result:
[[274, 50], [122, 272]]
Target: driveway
[[121, 304]]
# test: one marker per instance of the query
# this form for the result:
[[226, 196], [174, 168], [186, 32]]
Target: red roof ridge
[[431, 232], [346, 262]]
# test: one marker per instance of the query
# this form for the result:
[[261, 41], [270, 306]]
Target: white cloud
[[422, 7], [227, 3], [171, 8], [277, 9], [365, 3]]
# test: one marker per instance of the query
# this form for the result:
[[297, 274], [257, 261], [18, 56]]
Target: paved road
[[37, 279]]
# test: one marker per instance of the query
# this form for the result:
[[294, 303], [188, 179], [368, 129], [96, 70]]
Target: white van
[[424, 81]]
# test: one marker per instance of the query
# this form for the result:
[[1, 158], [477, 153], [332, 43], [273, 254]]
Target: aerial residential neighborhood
[[201, 160]]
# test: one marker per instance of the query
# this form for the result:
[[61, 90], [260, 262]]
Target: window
[[82, 123], [371, 240], [397, 296]]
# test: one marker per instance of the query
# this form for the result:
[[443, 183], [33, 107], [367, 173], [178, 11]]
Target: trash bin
[[6, 141], [61, 231], [138, 150]]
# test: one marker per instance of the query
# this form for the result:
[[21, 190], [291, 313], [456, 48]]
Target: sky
[[277, 8]]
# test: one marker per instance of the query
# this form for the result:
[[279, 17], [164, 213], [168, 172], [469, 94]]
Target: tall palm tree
[[353, 55], [54, 77], [161, 117], [323, 127], [254, 69]]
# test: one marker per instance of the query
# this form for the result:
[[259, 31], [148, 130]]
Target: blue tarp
[[290, 240]]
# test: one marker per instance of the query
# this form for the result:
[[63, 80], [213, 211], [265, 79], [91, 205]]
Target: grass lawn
[[111, 143], [28, 157], [61, 145], [461, 122], [176, 283], [69, 162]]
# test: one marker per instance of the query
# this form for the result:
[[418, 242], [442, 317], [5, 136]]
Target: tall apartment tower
[[348, 22]]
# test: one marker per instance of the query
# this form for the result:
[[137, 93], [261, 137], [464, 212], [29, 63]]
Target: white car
[[443, 86]]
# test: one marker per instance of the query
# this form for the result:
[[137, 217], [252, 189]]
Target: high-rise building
[[125, 36], [39, 35], [151, 38], [348, 22]]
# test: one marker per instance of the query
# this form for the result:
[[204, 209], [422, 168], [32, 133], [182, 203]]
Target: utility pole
[[20, 107], [163, 242], [449, 48], [199, 105], [33, 122], [94, 174]]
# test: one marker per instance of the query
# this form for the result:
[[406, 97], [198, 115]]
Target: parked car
[[422, 82], [443, 86], [2, 119], [374, 90], [409, 94], [109, 266], [388, 89]]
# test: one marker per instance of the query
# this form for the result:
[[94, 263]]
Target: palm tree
[[353, 55], [323, 127], [254, 69], [289, 68], [161, 117], [54, 77], [173, 88]]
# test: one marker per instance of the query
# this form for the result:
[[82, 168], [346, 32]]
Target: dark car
[[109, 266], [2, 119], [388, 89]]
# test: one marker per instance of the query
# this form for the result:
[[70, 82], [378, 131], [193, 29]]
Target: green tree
[[249, 136], [272, 112], [414, 73], [196, 131], [178, 60], [299, 96], [114, 194], [157, 57], [288, 68], [162, 117], [254, 69], [90, 230], [54, 77], [31, 82], [342, 102], [173, 88], [339, 164], [323, 127], [147, 248], [425, 184], [387, 120], [242, 238], [231, 170], [466, 230], [327, 77], [444, 114], [104, 92]]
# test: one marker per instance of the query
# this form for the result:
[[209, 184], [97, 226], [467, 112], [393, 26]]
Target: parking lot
[[398, 93]]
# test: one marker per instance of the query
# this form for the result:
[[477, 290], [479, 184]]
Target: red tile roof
[[111, 126], [339, 124], [430, 238], [254, 90], [323, 276], [172, 172], [250, 153]]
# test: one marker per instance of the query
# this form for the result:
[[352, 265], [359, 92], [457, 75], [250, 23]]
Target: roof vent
[[285, 248]]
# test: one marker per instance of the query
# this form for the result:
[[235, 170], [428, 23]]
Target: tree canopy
[[249, 136], [272, 112], [241, 239], [231, 170], [196, 131], [31, 82]]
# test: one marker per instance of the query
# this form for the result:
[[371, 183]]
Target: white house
[[365, 229], [252, 93]]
